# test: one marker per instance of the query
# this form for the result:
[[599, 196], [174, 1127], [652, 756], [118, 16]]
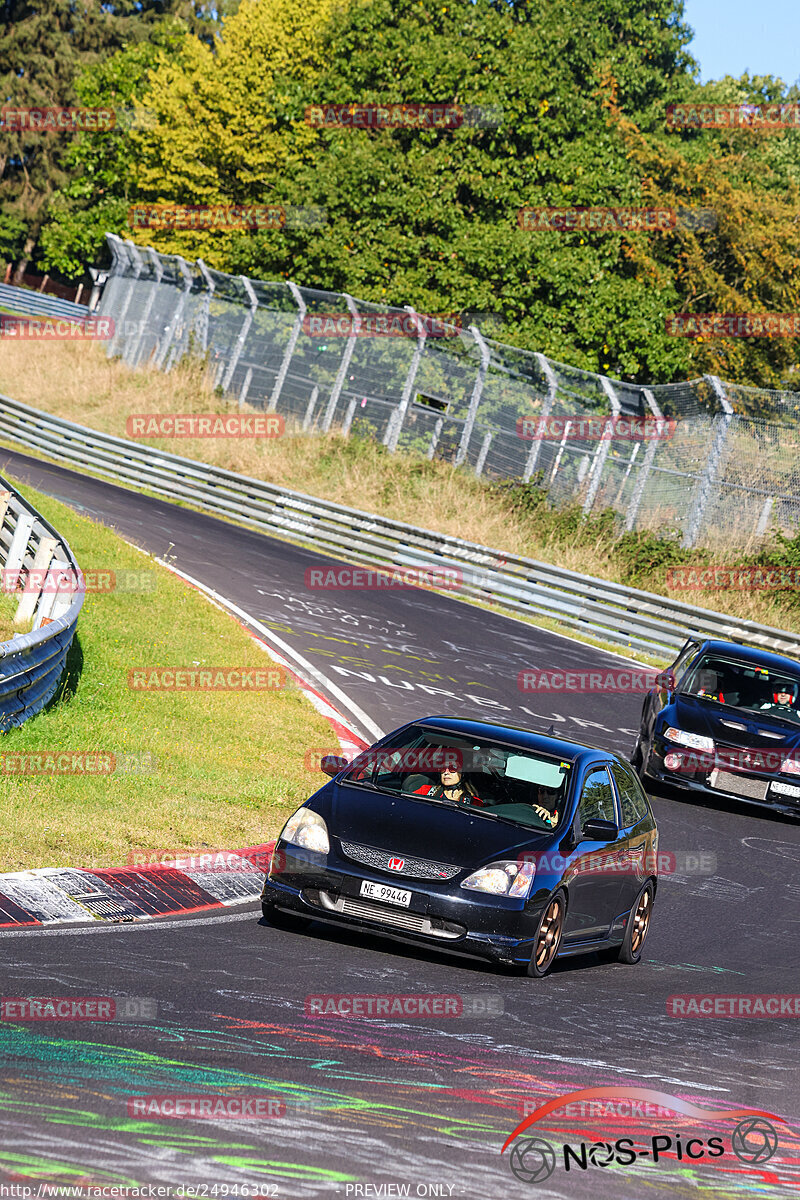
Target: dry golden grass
[[76, 381]]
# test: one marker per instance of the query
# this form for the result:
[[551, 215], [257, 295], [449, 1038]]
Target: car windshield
[[487, 777], [745, 685]]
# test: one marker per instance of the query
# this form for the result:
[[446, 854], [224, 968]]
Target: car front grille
[[415, 868], [382, 914]]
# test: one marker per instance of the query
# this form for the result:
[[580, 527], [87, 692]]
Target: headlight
[[790, 766], [502, 879], [307, 829], [695, 740]]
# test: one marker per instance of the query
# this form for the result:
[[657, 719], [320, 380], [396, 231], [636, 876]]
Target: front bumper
[[327, 888]]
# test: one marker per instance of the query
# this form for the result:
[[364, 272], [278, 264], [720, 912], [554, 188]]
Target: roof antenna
[[551, 731]]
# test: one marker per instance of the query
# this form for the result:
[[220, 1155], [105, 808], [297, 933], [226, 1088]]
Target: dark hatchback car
[[725, 722], [484, 839]]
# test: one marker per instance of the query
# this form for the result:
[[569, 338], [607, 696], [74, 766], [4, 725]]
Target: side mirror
[[331, 764], [666, 680], [598, 830]]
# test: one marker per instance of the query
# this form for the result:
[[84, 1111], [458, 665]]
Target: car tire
[[548, 935], [292, 922], [636, 756], [637, 925]]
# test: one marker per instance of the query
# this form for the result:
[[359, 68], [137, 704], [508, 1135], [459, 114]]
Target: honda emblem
[[396, 864]]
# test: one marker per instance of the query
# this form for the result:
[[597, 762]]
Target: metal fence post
[[547, 408], [242, 336], [210, 288], [644, 471], [475, 399], [484, 450], [177, 317], [133, 252], [708, 478], [290, 347], [603, 449], [343, 365], [392, 435], [133, 349]]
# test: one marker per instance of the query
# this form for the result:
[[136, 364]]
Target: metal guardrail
[[39, 567], [39, 304], [626, 617]]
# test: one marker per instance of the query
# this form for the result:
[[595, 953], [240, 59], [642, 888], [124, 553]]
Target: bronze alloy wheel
[[548, 936], [637, 926]]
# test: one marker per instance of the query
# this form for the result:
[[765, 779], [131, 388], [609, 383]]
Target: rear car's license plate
[[386, 893]]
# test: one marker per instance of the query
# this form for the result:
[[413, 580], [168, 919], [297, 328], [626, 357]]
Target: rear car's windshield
[[745, 685], [487, 777]]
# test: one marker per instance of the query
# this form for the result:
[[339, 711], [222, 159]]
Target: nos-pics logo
[[533, 1159]]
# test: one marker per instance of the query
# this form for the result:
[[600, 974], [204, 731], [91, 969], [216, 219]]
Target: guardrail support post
[[165, 349], [392, 436], [343, 365], [44, 553], [644, 471], [547, 408], [19, 541], [227, 378], [707, 480], [475, 399], [290, 346], [602, 450]]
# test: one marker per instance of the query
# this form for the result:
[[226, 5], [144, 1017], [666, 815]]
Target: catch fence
[[705, 469]]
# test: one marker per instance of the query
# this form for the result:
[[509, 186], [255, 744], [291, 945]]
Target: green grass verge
[[192, 769]]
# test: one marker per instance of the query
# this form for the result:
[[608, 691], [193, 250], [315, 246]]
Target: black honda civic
[[479, 838], [724, 721]]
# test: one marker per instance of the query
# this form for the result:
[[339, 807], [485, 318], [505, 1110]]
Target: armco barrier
[[38, 304], [31, 663], [624, 616]]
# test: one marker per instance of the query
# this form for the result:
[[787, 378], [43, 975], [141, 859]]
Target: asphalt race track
[[417, 1107]]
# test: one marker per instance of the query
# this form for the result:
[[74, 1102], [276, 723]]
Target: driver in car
[[545, 806], [784, 700], [453, 786]]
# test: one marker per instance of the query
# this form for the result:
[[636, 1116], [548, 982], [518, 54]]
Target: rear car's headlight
[[502, 879], [695, 740], [790, 766], [307, 829]]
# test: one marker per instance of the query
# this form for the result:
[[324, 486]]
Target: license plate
[[386, 893]]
